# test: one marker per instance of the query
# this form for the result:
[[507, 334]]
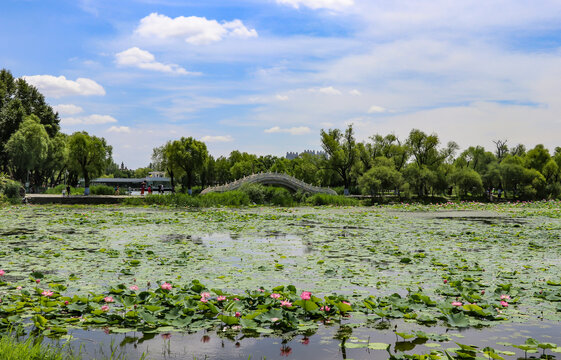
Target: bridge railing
[[264, 176]]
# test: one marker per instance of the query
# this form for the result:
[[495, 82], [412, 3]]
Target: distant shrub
[[256, 192], [326, 199], [102, 190], [280, 196], [11, 190], [231, 198]]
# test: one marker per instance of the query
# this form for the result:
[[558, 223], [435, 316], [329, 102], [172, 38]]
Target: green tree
[[341, 153], [467, 181], [537, 158], [88, 156], [381, 177], [27, 148], [18, 100], [189, 155]]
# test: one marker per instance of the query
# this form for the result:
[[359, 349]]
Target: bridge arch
[[284, 180]]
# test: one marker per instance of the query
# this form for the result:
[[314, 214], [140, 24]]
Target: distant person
[[142, 188], [117, 190], [68, 190], [149, 190], [161, 189]]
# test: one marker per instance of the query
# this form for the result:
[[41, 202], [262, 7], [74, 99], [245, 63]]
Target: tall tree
[[27, 148], [18, 100], [88, 155], [189, 155], [341, 150]]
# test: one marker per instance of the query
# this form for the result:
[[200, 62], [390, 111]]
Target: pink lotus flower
[[286, 303], [236, 299], [325, 308], [66, 302], [205, 295], [166, 286], [221, 298], [237, 314], [47, 293], [38, 281], [505, 297], [105, 308], [108, 299], [456, 303], [445, 281], [504, 303], [260, 290], [274, 319], [275, 296], [204, 300], [18, 288], [306, 295], [2, 272], [134, 288], [482, 292], [346, 303]]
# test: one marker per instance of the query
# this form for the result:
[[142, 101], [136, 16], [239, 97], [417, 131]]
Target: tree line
[[32, 149]]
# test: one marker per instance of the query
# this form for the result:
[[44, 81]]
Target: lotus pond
[[460, 280]]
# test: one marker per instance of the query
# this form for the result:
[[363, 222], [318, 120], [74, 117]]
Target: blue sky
[[265, 76]]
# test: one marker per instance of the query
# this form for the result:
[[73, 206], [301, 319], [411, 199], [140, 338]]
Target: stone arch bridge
[[284, 180]]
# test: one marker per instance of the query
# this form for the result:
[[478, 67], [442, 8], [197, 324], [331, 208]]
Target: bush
[[102, 190], [256, 192], [11, 190], [326, 199]]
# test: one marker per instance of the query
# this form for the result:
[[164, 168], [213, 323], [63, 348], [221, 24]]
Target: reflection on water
[[289, 245], [328, 343]]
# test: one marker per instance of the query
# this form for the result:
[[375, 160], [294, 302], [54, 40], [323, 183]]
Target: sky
[[265, 76]]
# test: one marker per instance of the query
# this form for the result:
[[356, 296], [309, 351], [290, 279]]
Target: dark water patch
[[330, 342], [18, 231], [487, 220]]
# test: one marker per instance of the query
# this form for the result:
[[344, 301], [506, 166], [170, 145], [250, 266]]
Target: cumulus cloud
[[193, 29], [67, 109], [119, 129], [330, 90], [318, 4], [300, 130], [93, 119], [218, 138], [281, 97], [60, 86], [376, 109], [145, 60]]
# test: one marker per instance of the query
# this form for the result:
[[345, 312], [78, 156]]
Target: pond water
[[351, 252], [328, 343]]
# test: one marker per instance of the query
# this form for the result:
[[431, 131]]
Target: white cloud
[[119, 129], [281, 97], [145, 60], [193, 29], [218, 138], [93, 119], [300, 130], [67, 109], [59, 86], [376, 109], [327, 91], [355, 92], [318, 4]]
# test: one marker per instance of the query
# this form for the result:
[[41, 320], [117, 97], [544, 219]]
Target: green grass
[[31, 349]]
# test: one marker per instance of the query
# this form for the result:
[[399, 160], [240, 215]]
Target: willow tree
[[189, 155], [342, 153], [88, 156]]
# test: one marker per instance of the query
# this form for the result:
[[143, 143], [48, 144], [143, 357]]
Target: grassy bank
[[247, 195]]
